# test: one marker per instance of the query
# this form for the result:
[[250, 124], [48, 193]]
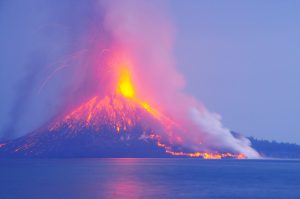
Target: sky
[[240, 58]]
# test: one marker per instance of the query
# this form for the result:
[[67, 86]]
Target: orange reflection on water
[[127, 181]]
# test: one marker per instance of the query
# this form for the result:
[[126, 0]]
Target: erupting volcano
[[116, 125], [139, 108]]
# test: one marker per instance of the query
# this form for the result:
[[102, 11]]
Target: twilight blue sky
[[241, 58]]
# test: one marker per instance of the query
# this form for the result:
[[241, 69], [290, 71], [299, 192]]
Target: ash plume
[[24, 91]]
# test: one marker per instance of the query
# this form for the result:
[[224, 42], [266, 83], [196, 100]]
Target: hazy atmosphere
[[240, 59]]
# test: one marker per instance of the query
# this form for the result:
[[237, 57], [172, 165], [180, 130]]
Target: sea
[[149, 178]]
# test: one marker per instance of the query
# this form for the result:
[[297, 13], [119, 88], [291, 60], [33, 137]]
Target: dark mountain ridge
[[274, 149]]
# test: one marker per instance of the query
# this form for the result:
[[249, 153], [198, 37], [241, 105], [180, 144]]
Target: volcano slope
[[107, 127]]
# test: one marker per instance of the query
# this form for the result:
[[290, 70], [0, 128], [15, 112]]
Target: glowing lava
[[125, 86]]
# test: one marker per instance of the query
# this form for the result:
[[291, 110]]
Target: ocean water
[[148, 178]]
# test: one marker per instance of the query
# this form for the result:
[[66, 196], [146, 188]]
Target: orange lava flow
[[111, 109], [204, 155]]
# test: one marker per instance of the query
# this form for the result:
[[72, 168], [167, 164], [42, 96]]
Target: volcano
[[119, 124], [113, 126]]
